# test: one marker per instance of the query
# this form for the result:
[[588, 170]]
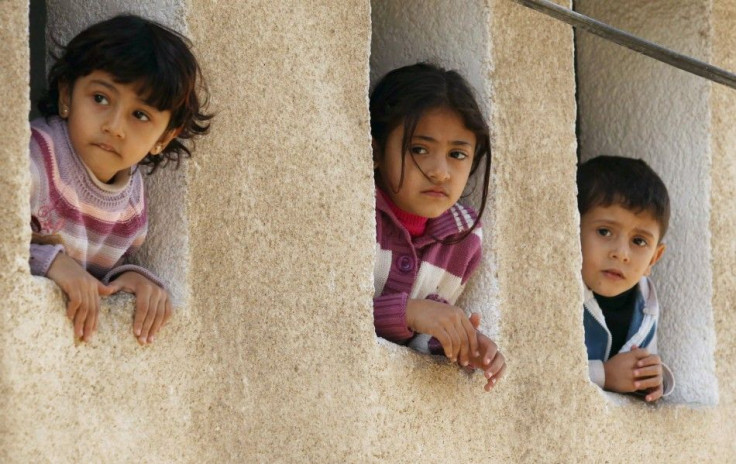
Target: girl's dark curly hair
[[405, 94], [155, 58]]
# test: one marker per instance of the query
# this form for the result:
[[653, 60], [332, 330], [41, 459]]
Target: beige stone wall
[[272, 357]]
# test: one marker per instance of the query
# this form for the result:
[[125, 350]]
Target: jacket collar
[[454, 221], [646, 300]]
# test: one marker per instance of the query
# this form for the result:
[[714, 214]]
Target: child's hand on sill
[[152, 304], [490, 360], [83, 293], [448, 324], [636, 370]]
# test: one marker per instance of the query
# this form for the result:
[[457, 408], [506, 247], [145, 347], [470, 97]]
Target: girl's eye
[[141, 115], [418, 150], [603, 232], [101, 99], [640, 242], [458, 155]]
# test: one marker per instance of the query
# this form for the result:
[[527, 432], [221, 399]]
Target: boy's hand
[[634, 371], [649, 377], [446, 323], [152, 304], [83, 293]]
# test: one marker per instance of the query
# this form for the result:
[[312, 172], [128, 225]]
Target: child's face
[[111, 127], [619, 247], [443, 148]]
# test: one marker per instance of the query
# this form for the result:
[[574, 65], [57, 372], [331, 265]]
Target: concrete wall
[[272, 356]]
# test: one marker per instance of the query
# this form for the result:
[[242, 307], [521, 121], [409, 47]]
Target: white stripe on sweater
[[432, 279], [381, 269]]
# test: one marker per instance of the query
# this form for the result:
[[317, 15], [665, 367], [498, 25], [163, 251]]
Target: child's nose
[[439, 170], [114, 123], [619, 252]]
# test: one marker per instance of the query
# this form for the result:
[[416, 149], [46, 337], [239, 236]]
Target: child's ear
[[164, 140], [64, 102], [657, 255], [376, 153]]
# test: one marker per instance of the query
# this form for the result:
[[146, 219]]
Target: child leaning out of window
[[123, 93]]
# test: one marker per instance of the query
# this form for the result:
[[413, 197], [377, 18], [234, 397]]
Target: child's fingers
[[141, 309], [89, 322], [472, 338], [72, 305], [452, 344], [149, 320], [639, 353], [86, 305], [158, 320], [648, 371], [651, 360], [650, 382], [107, 290], [495, 366], [493, 380], [464, 342], [169, 312], [80, 318], [488, 350], [654, 394], [96, 318], [475, 320]]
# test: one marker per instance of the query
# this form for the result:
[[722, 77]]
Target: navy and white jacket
[[642, 333]]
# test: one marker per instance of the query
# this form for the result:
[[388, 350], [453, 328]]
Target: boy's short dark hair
[[630, 183]]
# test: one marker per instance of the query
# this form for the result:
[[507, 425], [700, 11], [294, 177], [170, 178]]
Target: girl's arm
[[125, 263], [123, 266], [389, 317]]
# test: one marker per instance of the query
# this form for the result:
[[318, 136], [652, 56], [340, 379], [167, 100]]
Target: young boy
[[624, 212]]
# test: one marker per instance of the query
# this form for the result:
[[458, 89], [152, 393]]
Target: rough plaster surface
[[275, 359], [632, 105], [723, 217], [14, 193], [282, 234]]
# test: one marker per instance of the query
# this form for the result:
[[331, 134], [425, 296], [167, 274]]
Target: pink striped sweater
[[419, 267], [99, 225]]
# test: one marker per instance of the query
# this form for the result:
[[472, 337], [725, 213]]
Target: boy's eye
[[603, 232], [141, 115], [458, 155], [640, 242], [100, 99]]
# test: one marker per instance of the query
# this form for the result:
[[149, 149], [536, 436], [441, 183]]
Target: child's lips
[[613, 274], [439, 193], [106, 147]]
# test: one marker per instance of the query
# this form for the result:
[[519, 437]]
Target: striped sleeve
[[124, 264], [389, 317], [41, 257]]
